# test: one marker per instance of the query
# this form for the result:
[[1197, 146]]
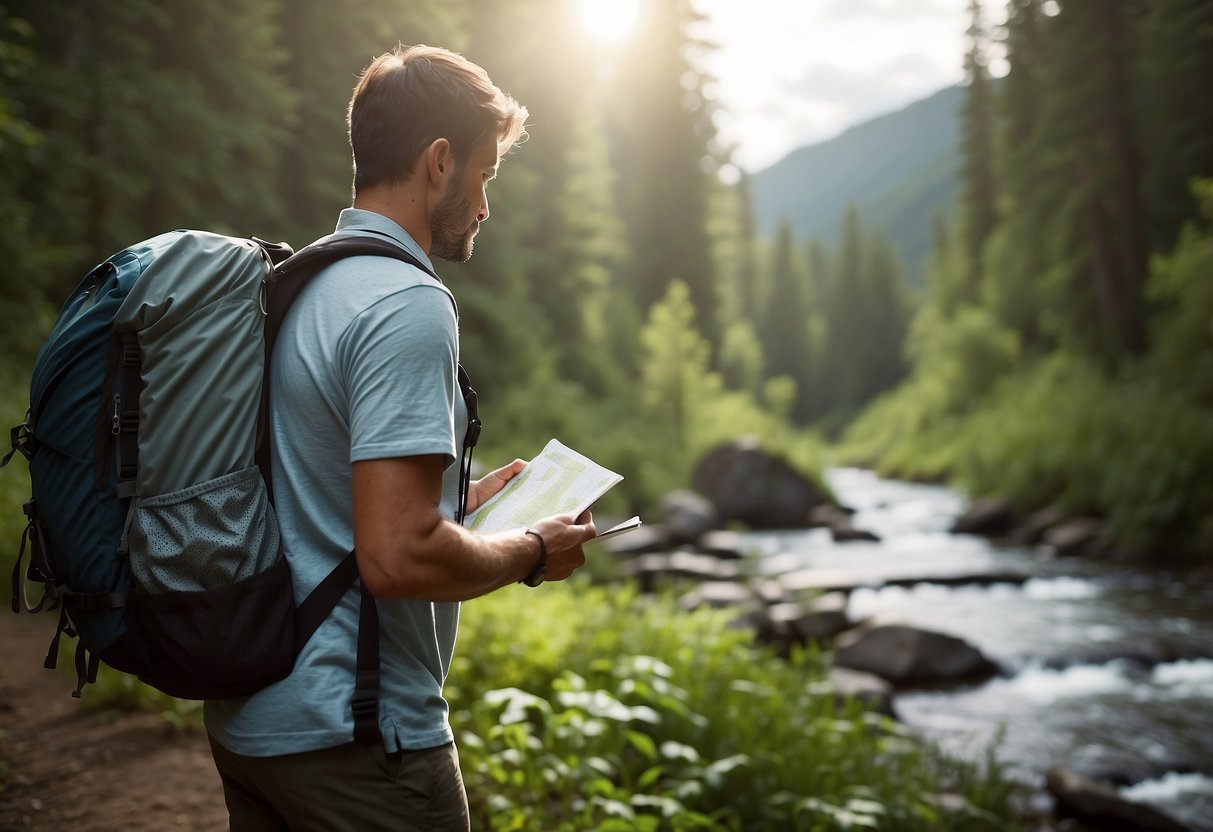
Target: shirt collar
[[359, 219]]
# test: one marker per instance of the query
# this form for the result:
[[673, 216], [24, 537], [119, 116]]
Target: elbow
[[377, 575], [390, 575], [400, 566]]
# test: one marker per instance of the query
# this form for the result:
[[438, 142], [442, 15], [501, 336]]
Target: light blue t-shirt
[[364, 368]]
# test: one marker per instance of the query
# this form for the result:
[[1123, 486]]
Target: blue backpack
[[151, 526]]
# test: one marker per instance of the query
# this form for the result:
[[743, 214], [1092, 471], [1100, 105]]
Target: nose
[[483, 214]]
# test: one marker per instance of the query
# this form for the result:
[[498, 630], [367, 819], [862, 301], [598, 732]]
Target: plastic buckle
[[365, 706], [473, 434]]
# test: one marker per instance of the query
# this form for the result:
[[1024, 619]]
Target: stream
[[1069, 640]]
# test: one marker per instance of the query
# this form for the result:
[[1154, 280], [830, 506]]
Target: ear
[[439, 161]]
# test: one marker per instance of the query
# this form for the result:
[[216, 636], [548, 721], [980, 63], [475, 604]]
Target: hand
[[564, 538], [482, 489]]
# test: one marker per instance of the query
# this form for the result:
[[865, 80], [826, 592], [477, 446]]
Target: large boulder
[[686, 517], [823, 618], [875, 693], [985, 517], [906, 655], [750, 486], [1101, 805], [1074, 537]]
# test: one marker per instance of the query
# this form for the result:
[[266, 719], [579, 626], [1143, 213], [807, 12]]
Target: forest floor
[[64, 766]]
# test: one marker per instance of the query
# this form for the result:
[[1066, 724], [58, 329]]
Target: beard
[[452, 236]]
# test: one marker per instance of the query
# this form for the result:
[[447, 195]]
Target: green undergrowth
[[589, 708], [1059, 433]]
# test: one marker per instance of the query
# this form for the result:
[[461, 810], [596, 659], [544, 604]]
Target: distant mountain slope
[[898, 169]]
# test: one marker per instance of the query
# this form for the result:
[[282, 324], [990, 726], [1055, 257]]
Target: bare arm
[[407, 549]]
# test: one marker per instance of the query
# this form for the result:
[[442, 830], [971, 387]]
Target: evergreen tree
[[845, 342], [785, 321], [661, 136], [979, 198], [1096, 244], [147, 126], [675, 366], [1177, 111], [1011, 280]]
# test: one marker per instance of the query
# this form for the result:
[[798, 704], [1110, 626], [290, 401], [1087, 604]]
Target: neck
[[403, 207]]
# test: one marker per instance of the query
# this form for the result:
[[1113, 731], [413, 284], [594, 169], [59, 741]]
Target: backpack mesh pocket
[[204, 536]]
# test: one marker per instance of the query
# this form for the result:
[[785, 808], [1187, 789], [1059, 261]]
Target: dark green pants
[[350, 788]]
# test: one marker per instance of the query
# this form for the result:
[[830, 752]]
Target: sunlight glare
[[609, 20]]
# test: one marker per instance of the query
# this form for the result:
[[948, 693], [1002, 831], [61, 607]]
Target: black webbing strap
[[469, 443], [125, 417], [316, 607], [310, 614], [92, 601], [87, 665], [365, 702], [64, 627]]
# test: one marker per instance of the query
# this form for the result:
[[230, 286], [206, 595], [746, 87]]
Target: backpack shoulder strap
[[293, 274]]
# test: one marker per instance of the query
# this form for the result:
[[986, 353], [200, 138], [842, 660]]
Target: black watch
[[541, 569]]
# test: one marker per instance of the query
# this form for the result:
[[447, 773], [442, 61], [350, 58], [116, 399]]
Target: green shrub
[[580, 708]]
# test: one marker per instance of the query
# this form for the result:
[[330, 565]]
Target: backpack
[[151, 525]]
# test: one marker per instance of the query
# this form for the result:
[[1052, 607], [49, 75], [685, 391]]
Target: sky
[[795, 72]]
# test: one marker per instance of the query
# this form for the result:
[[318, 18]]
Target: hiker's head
[[411, 97]]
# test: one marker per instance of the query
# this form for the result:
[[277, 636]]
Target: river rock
[[793, 622], [717, 595], [875, 693], [1101, 805], [723, 544], [829, 515], [907, 655], [986, 517], [650, 570], [846, 533], [686, 517], [1074, 537], [1034, 529], [750, 486]]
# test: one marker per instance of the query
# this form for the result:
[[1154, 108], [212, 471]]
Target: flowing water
[[1074, 689]]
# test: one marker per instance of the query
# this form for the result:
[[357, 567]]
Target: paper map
[[558, 481]]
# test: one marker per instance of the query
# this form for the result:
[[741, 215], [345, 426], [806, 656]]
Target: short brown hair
[[409, 97]]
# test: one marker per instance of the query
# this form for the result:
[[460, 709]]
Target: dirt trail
[[80, 770]]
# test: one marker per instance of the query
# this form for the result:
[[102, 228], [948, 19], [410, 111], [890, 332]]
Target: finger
[[508, 472]]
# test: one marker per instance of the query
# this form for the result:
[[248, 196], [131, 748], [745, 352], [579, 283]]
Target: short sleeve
[[398, 359]]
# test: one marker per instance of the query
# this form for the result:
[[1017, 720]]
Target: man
[[367, 422]]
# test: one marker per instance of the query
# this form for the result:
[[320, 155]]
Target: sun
[[609, 20]]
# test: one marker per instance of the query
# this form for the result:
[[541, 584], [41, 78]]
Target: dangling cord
[[18, 583], [465, 484], [86, 669], [469, 444], [64, 628]]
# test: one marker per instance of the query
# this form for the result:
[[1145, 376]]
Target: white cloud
[[791, 73]]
